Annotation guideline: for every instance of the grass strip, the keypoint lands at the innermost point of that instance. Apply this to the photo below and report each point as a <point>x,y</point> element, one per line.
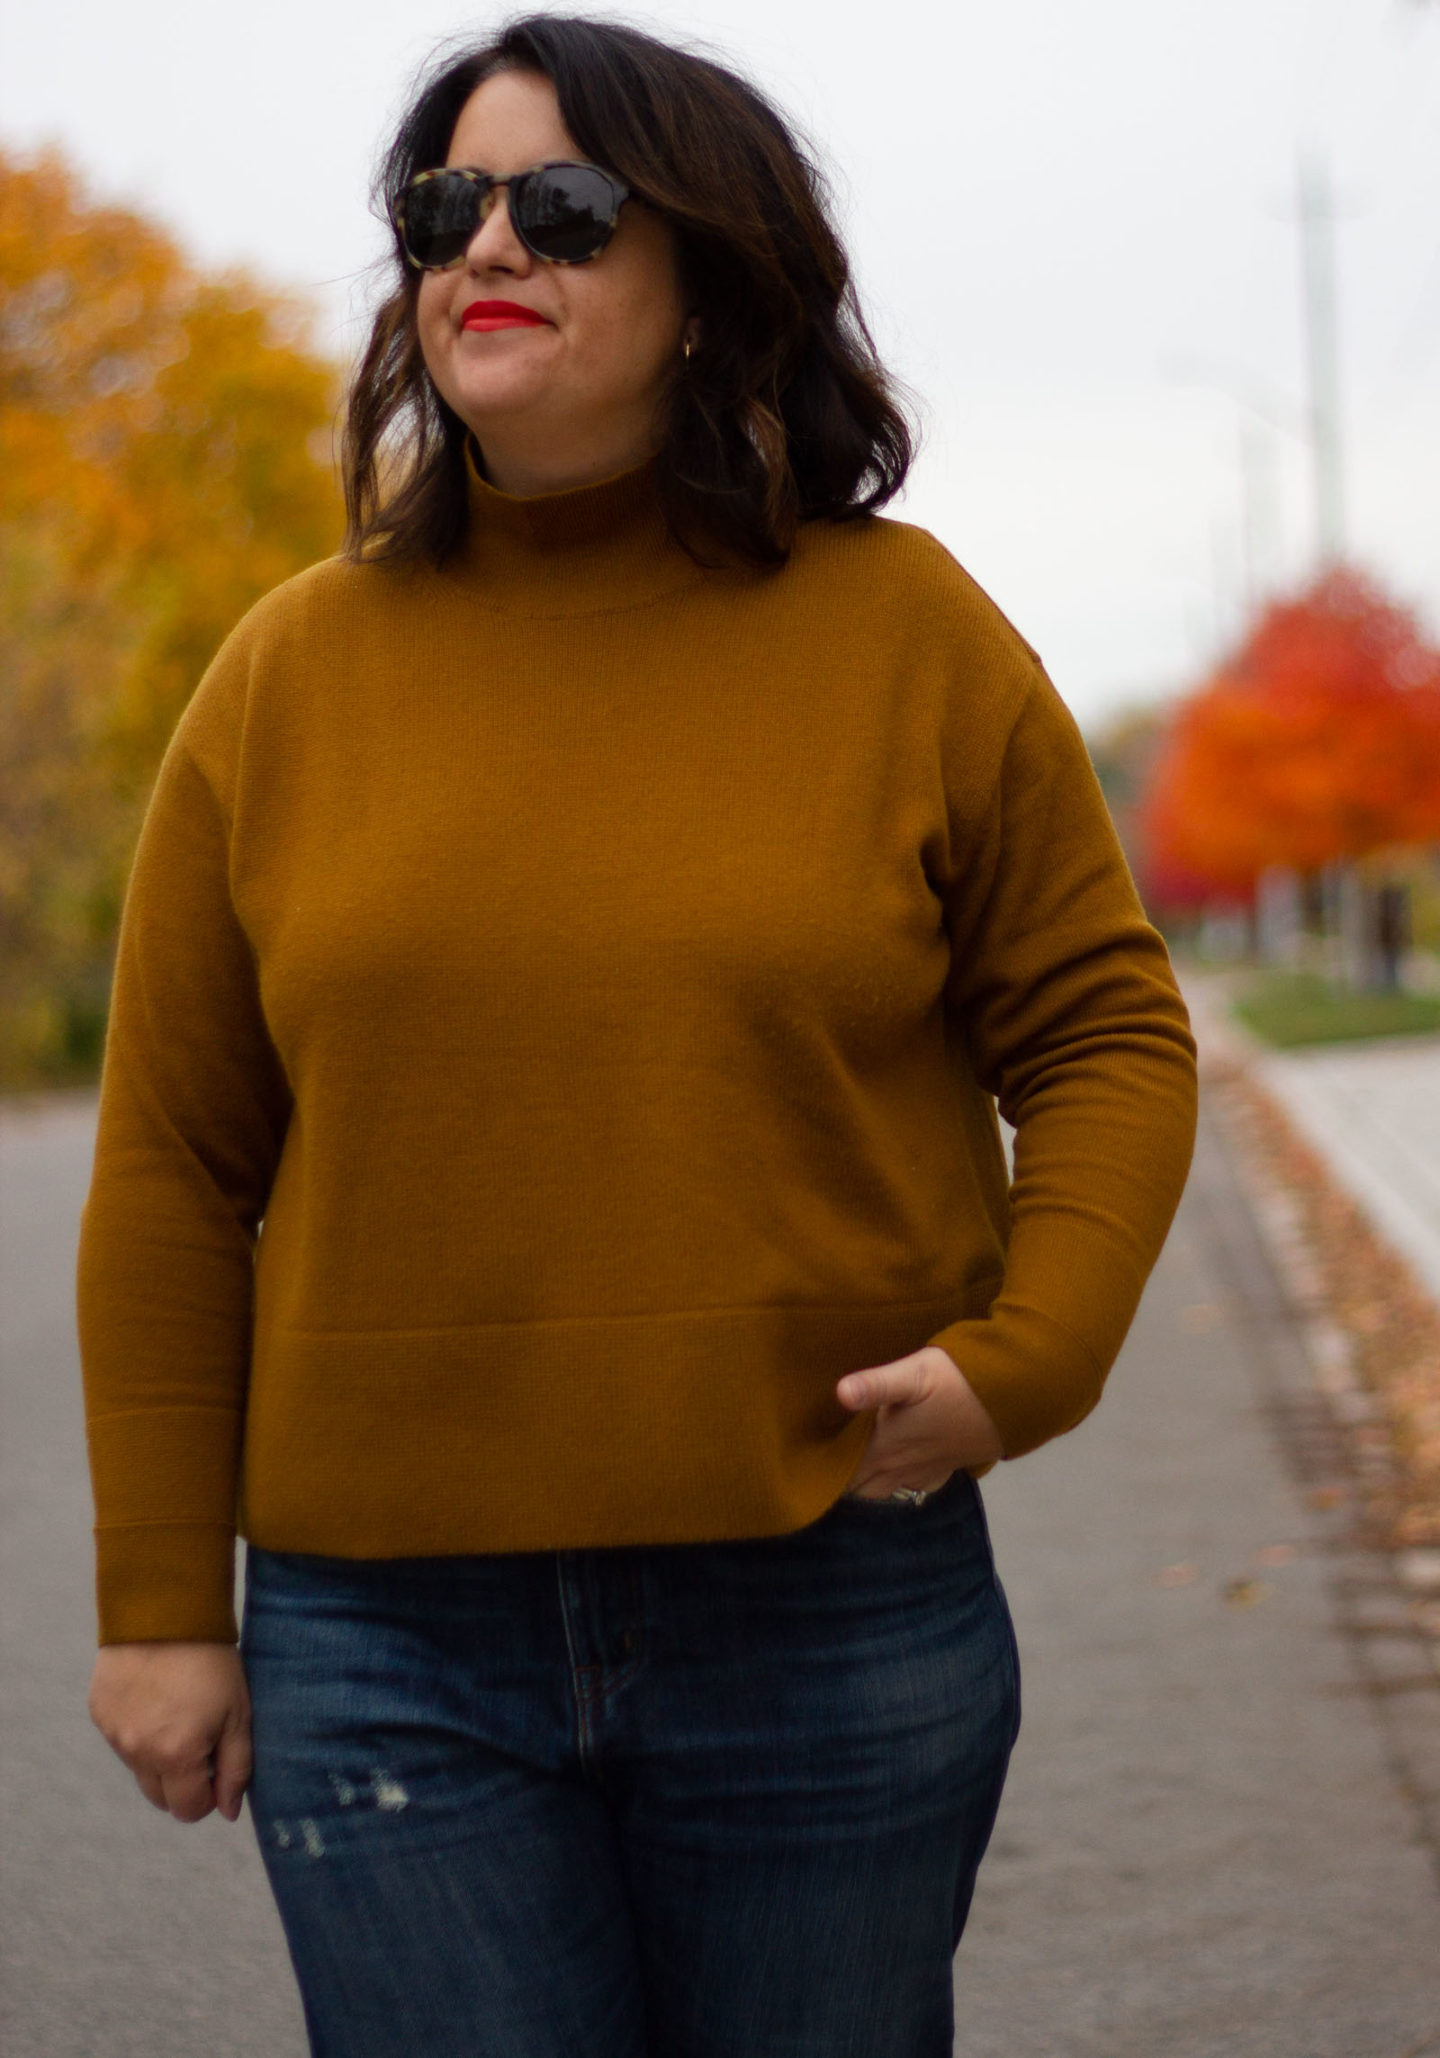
<point>1288,1009</point>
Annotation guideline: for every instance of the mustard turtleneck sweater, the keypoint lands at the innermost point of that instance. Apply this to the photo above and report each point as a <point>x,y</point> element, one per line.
<point>558,1009</point>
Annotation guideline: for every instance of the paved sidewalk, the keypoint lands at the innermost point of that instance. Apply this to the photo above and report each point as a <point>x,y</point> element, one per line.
<point>1372,1110</point>
<point>1206,1850</point>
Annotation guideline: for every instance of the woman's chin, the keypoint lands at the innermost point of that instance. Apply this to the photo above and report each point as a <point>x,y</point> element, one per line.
<point>494,405</point>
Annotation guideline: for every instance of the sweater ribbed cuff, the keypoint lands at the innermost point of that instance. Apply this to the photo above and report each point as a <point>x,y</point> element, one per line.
<point>168,1582</point>
<point>1033,1377</point>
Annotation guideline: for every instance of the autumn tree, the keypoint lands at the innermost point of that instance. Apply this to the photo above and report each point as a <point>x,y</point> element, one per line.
<point>1317,741</point>
<point>164,459</point>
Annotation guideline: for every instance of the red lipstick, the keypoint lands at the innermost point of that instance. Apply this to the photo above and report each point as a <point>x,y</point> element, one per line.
<point>484,315</point>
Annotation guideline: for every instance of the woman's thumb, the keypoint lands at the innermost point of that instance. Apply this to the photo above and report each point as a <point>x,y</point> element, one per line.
<point>880,1386</point>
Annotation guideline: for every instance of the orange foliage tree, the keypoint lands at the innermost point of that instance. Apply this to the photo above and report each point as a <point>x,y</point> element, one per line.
<point>1317,740</point>
<point>165,458</point>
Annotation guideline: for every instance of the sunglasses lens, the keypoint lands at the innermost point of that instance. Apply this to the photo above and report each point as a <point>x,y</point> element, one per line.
<point>564,212</point>
<point>441,216</point>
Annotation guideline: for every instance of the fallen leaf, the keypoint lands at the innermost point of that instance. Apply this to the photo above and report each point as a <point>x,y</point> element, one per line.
<point>1245,1593</point>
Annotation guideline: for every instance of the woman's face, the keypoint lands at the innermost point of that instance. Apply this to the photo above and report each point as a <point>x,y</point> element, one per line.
<point>578,396</point>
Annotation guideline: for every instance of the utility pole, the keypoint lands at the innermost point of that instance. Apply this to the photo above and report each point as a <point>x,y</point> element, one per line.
<point>1317,256</point>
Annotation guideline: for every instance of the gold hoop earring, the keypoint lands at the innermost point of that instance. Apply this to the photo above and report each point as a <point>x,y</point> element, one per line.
<point>687,347</point>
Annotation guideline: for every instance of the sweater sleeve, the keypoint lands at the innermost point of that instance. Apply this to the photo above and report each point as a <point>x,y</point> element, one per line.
<point>193,1110</point>
<point>1064,995</point>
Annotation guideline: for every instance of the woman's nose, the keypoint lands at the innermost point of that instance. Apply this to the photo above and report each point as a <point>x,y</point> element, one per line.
<point>495,245</point>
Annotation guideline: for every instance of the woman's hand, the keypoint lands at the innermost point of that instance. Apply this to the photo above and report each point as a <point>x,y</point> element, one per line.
<point>929,1422</point>
<point>179,1716</point>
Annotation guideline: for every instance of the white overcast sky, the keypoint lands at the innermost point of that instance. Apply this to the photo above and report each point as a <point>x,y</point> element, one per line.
<point>1072,225</point>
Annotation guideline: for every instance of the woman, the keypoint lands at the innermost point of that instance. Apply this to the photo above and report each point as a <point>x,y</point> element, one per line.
<point>592,923</point>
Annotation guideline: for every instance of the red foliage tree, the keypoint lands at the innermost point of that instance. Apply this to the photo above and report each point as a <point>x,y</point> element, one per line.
<point>1318,739</point>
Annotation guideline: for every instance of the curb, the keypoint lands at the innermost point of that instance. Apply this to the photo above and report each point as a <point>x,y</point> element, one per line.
<point>1230,1056</point>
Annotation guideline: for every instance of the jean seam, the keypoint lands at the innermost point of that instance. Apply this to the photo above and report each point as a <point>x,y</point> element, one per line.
<point>1005,1612</point>
<point>579,1674</point>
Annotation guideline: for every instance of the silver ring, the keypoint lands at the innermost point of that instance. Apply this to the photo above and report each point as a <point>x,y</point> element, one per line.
<point>915,1495</point>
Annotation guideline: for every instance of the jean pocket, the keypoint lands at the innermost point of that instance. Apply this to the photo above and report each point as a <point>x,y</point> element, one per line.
<point>901,1503</point>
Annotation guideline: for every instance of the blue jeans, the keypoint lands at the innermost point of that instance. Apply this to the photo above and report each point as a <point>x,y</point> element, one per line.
<point>719,1800</point>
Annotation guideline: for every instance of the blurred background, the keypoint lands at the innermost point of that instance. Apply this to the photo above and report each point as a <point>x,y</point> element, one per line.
<point>1164,279</point>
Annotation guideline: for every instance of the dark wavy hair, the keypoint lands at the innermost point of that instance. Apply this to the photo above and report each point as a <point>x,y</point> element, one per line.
<point>782,413</point>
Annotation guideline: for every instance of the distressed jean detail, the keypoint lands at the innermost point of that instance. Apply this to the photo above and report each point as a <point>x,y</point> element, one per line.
<point>688,1801</point>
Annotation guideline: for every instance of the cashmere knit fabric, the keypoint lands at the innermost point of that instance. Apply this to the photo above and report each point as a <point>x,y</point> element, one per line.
<point>561,1007</point>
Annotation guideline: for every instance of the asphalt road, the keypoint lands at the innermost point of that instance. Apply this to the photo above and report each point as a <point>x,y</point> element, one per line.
<point>1213,1844</point>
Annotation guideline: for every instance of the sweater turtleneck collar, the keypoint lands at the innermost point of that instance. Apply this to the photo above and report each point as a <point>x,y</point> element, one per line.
<point>586,550</point>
